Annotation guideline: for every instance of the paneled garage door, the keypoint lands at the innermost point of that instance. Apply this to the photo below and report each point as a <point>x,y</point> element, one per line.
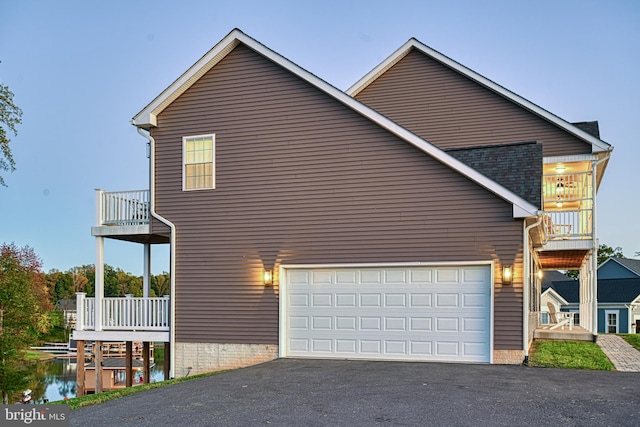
<point>394,313</point>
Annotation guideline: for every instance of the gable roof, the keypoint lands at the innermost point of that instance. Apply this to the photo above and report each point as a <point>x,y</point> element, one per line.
<point>552,292</point>
<point>147,118</point>
<point>597,145</point>
<point>633,265</point>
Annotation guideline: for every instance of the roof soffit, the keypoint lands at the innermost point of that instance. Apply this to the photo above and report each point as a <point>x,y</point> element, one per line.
<point>597,145</point>
<point>146,117</point>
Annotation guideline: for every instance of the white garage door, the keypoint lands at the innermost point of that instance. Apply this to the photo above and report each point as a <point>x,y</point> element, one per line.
<point>395,313</point>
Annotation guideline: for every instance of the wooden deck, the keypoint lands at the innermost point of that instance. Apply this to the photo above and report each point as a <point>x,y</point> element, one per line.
<point>576,334</point>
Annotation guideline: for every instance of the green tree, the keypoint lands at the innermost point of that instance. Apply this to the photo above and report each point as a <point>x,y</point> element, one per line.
<point>10,116</point>
<point>604,253</point>
<point>60,285</point>
<point>160,284</point>
<point>128,284</point>
<point>24,303</point>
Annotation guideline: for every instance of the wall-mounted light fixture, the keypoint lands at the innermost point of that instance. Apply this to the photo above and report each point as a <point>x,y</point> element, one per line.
<point>560,168</point>
<point>267,277</point>
<point>540,274</point>
<point>507,275</point>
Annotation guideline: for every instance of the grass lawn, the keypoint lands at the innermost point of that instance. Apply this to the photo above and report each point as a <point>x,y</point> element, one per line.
<point>33,355</point>
<point>92,399</point>
<point>569,354</point>
<point>633,339</point>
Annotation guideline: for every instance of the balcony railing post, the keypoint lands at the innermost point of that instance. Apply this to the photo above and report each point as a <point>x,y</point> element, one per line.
<point>165,310</point>
<point>80,300</point>
<point>99,206</point>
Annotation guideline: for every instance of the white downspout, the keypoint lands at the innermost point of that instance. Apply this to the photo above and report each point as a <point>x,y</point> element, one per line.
<point>525,287</point>
<point>172,249</point>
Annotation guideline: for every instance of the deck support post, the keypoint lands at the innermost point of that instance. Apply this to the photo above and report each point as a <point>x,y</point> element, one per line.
<point>80,385</point>
<point>97,351</point>
<point>167,360</point>
<point>147,363</point>
<point>129,364</point>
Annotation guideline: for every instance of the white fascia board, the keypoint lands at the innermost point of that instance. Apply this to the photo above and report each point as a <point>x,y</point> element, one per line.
<point>521,208</point>
<point>597,145</point>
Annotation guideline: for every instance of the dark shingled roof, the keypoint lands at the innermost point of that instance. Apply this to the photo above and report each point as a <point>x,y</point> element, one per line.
<point>590,127</point>
<point>517,167</point>
<point>550,276</point>
<point>609,290</point>
<point>630,263</point>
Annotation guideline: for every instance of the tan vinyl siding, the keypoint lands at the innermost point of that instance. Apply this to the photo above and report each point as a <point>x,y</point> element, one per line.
<point>452,111</point>
<point>302,179</point>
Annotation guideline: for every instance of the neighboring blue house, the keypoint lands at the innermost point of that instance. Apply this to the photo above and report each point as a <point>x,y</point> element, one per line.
<point>619,268</point>
<point>618,297</point>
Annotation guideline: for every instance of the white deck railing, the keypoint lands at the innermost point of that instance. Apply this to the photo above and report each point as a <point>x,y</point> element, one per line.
<point>568,201</point>
<point>569,224</point>
<point>123,207</point>
<point>127,314</point>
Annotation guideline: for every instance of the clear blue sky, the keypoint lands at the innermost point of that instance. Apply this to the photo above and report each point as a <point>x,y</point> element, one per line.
<point>81,69</point>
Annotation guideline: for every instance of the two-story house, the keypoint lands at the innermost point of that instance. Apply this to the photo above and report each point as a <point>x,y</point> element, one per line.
<point>404,219</point>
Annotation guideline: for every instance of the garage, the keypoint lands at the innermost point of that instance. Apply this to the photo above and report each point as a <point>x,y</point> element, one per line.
<point>421,313</point>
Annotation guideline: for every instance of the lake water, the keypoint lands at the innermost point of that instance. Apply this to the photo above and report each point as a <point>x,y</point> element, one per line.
<point>55,379</point>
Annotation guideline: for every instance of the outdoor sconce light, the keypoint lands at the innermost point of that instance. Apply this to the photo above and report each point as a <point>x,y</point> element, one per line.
<point>507,275</point>
<point>540,274</point>
<point>267,277</point>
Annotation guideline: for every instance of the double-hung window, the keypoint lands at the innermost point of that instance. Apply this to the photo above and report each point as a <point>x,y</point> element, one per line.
<point>198,162</point>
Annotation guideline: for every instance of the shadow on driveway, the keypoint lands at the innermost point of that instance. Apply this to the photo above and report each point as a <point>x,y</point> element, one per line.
<point>297,392</point>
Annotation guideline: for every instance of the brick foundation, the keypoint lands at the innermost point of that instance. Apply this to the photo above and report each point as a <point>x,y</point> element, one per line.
<point>198,358</point>
<point>508,357</point>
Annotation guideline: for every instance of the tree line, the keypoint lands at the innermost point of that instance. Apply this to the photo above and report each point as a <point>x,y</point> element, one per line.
<point>117,283</point>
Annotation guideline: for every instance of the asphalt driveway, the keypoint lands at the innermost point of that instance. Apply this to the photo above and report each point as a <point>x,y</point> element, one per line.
<point>294,392</point>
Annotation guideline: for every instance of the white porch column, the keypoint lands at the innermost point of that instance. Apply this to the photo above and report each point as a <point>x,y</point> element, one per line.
<point>146,271</point>
<point>99,284</point>
<point>594,288</point>
<point>596,244</point>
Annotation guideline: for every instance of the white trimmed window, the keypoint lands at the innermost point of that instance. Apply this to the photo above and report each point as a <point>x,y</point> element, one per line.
<point>544,318</point>
<point>198,162</point>
<point>611,317</point>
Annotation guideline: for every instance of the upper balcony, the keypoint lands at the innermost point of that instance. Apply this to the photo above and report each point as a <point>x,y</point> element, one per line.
<point>568,205</point>
<point>125,215</point>
<point>567,229</point>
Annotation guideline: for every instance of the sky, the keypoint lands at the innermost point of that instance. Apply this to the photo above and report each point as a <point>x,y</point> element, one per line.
<point>80,70</point>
